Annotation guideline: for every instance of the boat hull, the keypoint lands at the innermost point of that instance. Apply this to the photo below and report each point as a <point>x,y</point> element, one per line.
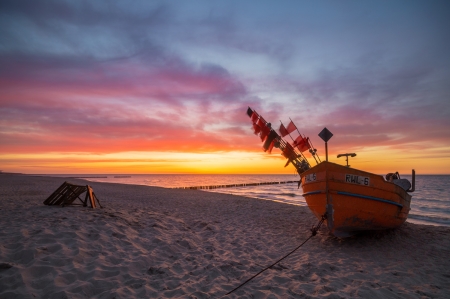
<point>354,200</point>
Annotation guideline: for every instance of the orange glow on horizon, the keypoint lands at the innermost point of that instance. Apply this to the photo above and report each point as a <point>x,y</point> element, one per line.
<point>371,160</point>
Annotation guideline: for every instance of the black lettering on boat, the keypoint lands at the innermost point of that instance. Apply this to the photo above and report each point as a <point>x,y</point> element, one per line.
<point>356,179</point>
<point>310,177</point>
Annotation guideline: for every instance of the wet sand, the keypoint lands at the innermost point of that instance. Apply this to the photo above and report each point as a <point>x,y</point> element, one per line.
<point>150,242</point>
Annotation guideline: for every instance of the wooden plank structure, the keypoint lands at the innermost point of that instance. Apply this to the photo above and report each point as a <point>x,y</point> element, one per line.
<point>67,193</point>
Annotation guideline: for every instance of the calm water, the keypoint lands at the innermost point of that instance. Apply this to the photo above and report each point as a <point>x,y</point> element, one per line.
<point>430,203</point>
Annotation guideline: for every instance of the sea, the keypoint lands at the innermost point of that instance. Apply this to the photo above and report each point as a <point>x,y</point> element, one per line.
<point>430,202</point>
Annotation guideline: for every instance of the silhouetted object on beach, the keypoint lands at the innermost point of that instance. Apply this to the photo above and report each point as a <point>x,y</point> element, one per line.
<point>67,193</point>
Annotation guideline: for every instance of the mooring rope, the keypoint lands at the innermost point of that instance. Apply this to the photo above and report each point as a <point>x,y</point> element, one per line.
<point>314,230</point>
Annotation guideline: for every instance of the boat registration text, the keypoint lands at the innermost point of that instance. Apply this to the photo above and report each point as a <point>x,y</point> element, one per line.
<point>356,179</point>
<point>310,177</point>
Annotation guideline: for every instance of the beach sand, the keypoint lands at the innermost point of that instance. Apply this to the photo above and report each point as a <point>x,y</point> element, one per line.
<point>150,242</point>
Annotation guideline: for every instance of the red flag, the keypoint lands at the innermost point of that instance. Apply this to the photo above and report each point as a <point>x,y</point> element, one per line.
<point>283,131</point>
<point>291,127</point>
<point>305,146</point>
<point>269,140</point>
<point>260,122</point>
<point>297,141</point>
<point>302,143</point>
<point>254,117</point>
<point>271,146</point>
<point>264,132</point>
<point>288,152</point>
<point>256,129</point>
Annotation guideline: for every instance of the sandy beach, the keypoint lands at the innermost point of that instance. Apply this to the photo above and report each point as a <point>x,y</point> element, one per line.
<point>150,242</point>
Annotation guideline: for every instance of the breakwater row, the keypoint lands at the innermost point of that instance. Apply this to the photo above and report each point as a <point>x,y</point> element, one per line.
<point>86,177</point>
<point>235,185</point>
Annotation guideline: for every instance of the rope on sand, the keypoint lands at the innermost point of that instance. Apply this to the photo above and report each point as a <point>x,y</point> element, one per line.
<point>314,230</point>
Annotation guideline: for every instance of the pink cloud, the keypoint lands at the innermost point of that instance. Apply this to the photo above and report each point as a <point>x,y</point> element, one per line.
<point>95,114</point>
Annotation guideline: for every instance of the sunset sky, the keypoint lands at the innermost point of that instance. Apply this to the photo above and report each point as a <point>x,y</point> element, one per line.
<point>163,86</point>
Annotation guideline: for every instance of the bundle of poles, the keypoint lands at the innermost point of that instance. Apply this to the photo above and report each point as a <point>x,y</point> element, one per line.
<point>270,139</point>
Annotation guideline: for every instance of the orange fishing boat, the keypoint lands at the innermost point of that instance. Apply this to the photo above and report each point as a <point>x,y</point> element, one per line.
<point>355,200</point>
<point>350,200</point>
